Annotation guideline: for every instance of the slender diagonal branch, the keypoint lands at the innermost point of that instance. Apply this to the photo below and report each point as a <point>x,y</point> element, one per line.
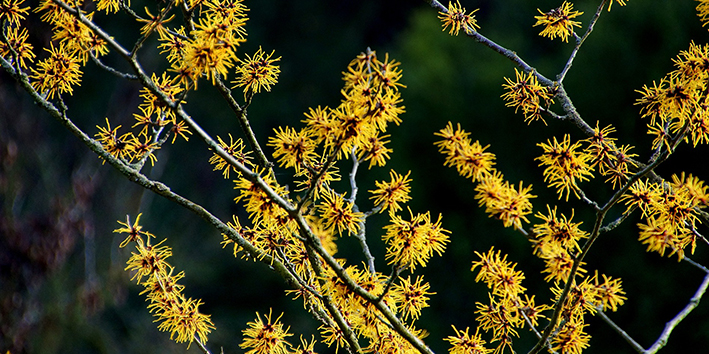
<point>580,41</point>
<point>245,125</point>
<point>638,348</point>
<point>111,70</point>
<point>670,326</point>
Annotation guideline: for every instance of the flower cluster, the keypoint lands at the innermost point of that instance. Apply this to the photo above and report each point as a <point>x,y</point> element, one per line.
<point>405,297</point>
<point>457,18</point>
<point>371,102</point>
<point>17,43</point>
<point>612,161</point>
<point>676,106</point>
<point>527,94</point>
<point>670,212</point>
<point>413,242</point>
<point>58,73</point>
<point>355,130</point>
<point>557,243</point>
<point>266,337</point>
<point>507,310</point>
<point>557,22</point>
<point>176,313</point>
<point>257,73</point>
<point>501,199</point>
<point>388,195</point>
<point>565,164</point>
<point>586,297</point>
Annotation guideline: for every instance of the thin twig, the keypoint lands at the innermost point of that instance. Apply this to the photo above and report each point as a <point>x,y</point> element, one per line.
<point>353,175</point>
<point>395,271</point>
<point>111,70</point>
<point>201,345</point>
<point>638,348</point>
<point>579,192</point>
<point>615,223</point>
<point>670,326</point>
<point>245,125</point>
<point>579,42</point>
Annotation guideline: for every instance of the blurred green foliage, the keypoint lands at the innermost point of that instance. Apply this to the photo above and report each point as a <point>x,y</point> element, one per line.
<point>63,286</point>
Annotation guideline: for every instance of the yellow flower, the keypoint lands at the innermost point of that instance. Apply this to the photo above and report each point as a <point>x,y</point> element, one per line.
<point>257,73</point>
<point>313,180</point>
<point>412,243</point>
<point>235,148</point>
<point>693,63</point>
<point>457,18</point>
<point>503,201</point>
<point>109,6</point>
<point>17,41</point>
<point>703,11</point>
<point>149,261</point>
<point>144,149</point>
<point>204,56</point>
<point>184,321</point>
<point>153,104</point>
<point>388,195</point>
<point>320,124</point>
<point>351,129</point>
<point>58,73</point>
<point>374,150</point>
<point>501,316</point>
<point>178,315</point>
<point>557,261</point>
<point>659,236</point>
<point>338,214</point>
<point>693,186</point>
<point>259,205</point>
<point>155,22</point>
<point>609,293</point>
<point>558,22</point>
<point>411,297</point>
<point>464,343</point>
<point>571,338</point>
<point>173,43</point>
<point>12,11</point>
<point>621,2</point>
<point>498,274</point>
<point>293,148</point>
<point>470,159</point>
<point>266,336</point>
<point>118,146</point>
<point>526,94</point>
<point>581,299</point>
<point>134,231</point>
<point>559,231</point>
<point>565,165</point>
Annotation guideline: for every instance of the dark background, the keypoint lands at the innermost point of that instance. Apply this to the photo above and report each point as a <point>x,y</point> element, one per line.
<point>62,285</point>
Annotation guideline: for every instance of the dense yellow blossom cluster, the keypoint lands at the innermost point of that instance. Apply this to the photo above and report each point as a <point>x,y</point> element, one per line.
<point>177,314</point>
<point>670,209</point>
<point>295,231</point>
